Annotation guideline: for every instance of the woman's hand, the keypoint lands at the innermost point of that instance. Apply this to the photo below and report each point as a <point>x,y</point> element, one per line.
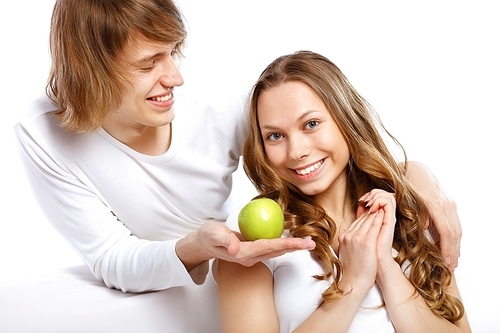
<point>442,209</point>
<point>358,250</point>
<point>380,200</point>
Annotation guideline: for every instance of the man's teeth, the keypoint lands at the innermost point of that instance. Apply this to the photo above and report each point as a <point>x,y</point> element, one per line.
<point>162,98</point>
<point>309,169</point>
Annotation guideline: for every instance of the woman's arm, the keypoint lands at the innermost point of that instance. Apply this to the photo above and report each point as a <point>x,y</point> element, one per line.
<point>408,310</point>
<point>338,313</point>
<point>443,211</point>
<point>246,298</point>
<point>246,302</point>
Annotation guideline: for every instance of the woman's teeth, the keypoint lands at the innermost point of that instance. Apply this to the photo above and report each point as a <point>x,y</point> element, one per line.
<point>309,169</point>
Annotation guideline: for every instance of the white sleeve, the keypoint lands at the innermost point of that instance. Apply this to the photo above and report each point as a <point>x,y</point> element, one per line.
<point>82,217</point>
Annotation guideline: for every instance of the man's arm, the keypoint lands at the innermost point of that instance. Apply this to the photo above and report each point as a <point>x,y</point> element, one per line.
<point>442,209</point>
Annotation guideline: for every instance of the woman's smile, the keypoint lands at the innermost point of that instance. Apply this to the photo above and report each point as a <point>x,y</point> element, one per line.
<point>308,173</point>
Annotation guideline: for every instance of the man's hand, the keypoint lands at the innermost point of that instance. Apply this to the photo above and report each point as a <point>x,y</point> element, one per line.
<point>216,240</point>
<point>442,209</point>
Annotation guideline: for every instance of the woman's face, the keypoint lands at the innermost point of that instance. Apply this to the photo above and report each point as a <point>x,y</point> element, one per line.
<point>301,139</point>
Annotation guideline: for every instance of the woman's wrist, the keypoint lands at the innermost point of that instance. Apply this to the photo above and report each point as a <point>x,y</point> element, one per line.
<point>387,270</point>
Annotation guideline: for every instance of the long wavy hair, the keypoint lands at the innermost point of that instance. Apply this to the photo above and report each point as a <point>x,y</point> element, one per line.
<point>371,166</point>
<point>86,39</point>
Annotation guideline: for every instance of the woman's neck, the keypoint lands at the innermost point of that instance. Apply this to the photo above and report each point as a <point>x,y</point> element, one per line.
<point>337,204</point>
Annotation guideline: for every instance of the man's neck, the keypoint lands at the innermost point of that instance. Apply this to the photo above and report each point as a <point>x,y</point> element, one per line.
<point>146,140</point>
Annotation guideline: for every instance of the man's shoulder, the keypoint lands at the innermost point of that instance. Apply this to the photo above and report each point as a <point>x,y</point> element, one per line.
<point>39,113</point>
<point>37,107</point>
<point>38,125</point>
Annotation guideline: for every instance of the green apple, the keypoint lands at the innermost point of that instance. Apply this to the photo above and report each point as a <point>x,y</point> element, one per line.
<point>261,218</point>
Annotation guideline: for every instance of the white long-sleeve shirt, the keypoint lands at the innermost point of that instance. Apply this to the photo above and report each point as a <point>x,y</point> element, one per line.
<point>123,211</point>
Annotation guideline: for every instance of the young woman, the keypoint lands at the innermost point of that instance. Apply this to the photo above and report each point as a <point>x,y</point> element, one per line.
<point>314,147</point>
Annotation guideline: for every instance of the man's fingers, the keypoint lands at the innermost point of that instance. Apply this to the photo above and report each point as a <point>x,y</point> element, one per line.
<point>252,252</point>
<point>445,221</point>
<point>234,245</point>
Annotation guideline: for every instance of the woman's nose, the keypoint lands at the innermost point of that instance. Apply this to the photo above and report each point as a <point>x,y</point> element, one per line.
<point>299,148</point>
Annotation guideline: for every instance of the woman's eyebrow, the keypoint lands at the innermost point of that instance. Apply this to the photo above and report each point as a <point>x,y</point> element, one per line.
<point>272,127</point>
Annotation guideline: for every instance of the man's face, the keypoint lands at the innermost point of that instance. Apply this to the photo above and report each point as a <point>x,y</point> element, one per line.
<point>152,72</point>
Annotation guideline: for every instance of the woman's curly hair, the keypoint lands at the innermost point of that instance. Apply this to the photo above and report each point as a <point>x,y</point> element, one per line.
<point>371,166</point>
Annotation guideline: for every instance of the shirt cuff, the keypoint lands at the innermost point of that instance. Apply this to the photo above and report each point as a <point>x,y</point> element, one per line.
<point>181,276</point>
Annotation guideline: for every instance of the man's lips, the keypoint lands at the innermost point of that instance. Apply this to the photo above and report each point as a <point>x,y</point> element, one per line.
<point>162,98</point>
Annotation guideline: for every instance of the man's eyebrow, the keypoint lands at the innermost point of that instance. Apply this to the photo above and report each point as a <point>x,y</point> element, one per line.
<point>147,59</point>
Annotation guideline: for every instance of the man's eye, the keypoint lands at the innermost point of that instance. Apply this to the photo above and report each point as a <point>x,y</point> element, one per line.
<point>149,66</point>
<point>147,69</point>
<point>175,53</point>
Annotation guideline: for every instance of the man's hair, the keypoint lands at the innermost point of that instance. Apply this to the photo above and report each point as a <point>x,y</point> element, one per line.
<point>86,40</point>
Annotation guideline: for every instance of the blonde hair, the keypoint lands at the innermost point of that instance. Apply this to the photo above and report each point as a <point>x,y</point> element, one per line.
<point>86,40</point>
<point>371,166</point>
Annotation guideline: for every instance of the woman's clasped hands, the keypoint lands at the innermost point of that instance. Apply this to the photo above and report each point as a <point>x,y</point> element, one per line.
<point>368,241</point>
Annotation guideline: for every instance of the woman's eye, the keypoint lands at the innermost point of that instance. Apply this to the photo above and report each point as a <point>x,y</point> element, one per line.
<point>311,124</point>
<point>274,136</point>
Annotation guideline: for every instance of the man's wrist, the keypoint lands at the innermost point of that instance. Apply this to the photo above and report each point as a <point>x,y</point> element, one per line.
<point>189,251</point>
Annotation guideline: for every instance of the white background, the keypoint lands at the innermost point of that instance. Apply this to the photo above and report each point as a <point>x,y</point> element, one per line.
<point>430,68</point>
